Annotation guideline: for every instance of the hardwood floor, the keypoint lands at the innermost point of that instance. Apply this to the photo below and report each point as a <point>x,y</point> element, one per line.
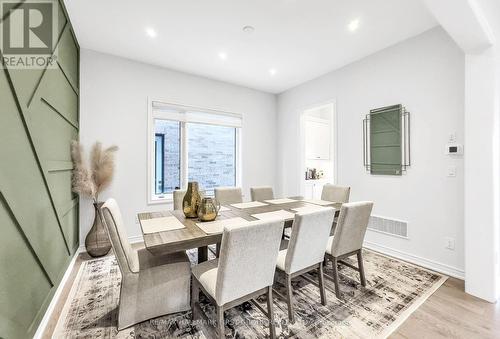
<point>448,313</point>
<point>451,313</point>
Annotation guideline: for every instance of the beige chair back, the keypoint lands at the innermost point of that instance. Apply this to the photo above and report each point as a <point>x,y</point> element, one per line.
<point>351,227</point>
<point>335,193</point>
<point>127,257</point>
<point>178,197</point>
<point>247,260</point>
<point>261,193</point>
<point>228,195</point>
<point>310,233</point>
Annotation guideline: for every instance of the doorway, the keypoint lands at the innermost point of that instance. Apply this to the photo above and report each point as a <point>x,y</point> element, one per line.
<point>318,151</point>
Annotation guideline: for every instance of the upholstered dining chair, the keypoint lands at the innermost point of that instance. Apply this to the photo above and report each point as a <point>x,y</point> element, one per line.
<point>244,270</point>
<point>306,251</point>
<point>228,195</point>
<point>348,239</point>
<point>261,193</point>
<point>151,286</point>
<point>335,193</point>
<point>178,197</point>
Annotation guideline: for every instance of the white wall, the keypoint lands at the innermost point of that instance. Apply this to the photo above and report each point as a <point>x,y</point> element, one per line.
<point>475,26</point>
<point>425,74</point>
<point>114,95</point>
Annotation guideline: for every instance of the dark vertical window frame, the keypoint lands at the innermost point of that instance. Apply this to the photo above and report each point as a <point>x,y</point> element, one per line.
<point>160,148</point>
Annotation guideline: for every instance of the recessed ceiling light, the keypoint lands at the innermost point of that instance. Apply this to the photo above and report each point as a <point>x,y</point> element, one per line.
<point>272,71</point>
<point>151,32</point>
<point>222,56</point>
<point>353,25</point>
<point>248,29</point>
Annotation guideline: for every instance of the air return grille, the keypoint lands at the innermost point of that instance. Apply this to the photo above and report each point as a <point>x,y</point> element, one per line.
<point>393,227</point>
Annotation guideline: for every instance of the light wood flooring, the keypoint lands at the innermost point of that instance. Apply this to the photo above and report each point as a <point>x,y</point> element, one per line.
<point>448,313</point>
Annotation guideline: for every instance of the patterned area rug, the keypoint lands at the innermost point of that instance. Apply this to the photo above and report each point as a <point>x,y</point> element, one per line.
<point>394,290</point>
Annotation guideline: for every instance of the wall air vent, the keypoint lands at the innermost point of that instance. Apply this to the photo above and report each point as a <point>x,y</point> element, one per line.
<point>388,226</point>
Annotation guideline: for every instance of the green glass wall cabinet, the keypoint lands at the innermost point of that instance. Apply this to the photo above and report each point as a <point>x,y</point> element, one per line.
<point>386,133</point>
<point>38,212</point>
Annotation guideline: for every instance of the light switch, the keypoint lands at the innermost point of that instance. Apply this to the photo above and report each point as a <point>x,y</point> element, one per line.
<point>449,243</point>
<point>452,171</point>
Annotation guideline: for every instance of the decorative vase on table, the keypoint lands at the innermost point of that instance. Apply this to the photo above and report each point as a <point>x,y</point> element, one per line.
<point>191,200</point>
<point>97,241</point>
<point>208,209</point>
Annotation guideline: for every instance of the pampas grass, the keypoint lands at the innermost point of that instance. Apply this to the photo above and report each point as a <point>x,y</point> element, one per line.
<point>90,182</point>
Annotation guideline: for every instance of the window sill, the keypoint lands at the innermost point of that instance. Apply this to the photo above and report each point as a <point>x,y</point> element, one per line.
<point>160,201</point>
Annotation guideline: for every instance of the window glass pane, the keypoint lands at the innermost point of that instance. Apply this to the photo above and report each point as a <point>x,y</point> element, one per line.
<point>211,156</point>
<point>167,156</point>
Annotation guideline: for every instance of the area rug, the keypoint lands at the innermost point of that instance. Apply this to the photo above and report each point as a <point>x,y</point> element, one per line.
<point>394,290</point>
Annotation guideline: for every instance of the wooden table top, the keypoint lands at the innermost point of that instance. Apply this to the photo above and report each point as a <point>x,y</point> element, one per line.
<point>192,236</point>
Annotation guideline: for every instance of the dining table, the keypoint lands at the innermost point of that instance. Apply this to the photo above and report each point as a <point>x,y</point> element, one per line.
<point>192,236</point>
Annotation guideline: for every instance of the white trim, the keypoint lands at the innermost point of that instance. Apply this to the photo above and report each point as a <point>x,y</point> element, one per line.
<point>417,260</point>
<point>55,298</point>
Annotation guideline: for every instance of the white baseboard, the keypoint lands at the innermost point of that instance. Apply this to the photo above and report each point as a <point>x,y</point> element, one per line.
<point>48,313</point>
<point>414,259</point>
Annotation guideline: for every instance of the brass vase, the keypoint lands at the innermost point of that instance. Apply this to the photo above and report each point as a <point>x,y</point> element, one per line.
<point>191,200</point>
<point>97,241</point>
<point>208,209</point>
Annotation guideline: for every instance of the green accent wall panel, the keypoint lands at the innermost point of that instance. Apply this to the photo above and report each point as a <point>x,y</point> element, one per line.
<point>56,91</point>
<point>38,212</point>
<point>68,57</point>
<point>20,270</point>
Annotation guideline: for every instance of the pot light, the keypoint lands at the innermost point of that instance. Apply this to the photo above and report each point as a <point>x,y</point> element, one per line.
<point>151,32</point>
<point>353,25</point>
<point>272,71</point>
<point>222,56</point>
<point>248,29</point>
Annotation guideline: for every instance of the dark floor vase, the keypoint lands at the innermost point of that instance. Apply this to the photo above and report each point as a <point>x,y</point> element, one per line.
<point>97,241</point>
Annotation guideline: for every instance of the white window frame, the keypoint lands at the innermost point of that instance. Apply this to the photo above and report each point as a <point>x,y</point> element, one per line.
<point>152,198</point>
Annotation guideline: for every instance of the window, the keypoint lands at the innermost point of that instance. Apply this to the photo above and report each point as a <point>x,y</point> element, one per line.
<point>167,156</point>
<point>189,144</point>
<point>211,155</point>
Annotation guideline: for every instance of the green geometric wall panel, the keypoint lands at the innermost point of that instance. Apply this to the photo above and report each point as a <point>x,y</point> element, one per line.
<point>38,212</point>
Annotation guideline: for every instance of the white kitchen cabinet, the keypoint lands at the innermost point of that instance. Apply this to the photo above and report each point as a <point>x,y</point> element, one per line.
<point>317,132</point>
<point>313,188</point>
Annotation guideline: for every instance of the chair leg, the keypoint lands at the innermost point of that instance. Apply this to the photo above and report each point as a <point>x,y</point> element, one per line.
<point>361,269</point>
<point>336,277</point>
<point>270,312</point>
<point>220,322</point>
<point>195,295</point>
<point>322,284</point>
<point>289,294</point>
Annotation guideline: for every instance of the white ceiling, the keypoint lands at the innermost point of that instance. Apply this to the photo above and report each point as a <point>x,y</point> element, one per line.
<point>300,39</point>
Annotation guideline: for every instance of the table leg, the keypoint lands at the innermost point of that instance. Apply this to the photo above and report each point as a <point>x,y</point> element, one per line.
<point>202,254</point>
<point>217,249</point>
